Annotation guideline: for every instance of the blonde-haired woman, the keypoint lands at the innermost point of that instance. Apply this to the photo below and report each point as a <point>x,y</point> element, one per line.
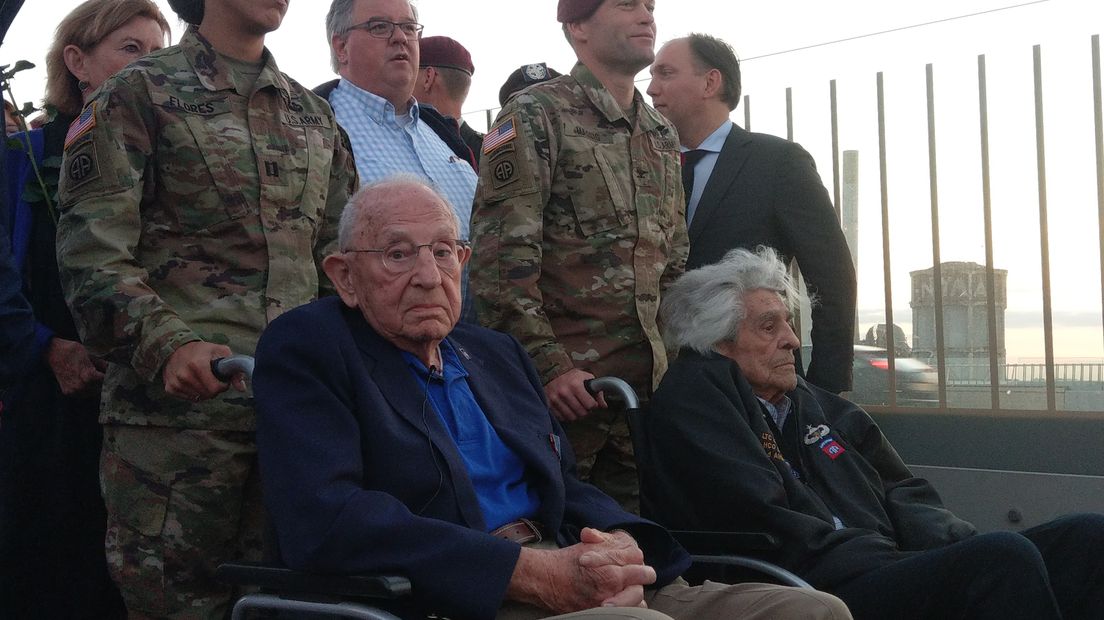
<point>52,518</point>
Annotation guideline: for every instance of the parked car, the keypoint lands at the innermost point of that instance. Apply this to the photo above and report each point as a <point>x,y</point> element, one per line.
<point>917,382</point>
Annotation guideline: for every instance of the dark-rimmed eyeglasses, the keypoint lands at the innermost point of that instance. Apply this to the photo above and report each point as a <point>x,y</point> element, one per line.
<point>383,28</point>
<point>401,257</point>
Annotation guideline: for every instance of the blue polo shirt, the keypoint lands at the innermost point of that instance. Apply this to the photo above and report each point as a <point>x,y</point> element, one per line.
<point>496,472</point>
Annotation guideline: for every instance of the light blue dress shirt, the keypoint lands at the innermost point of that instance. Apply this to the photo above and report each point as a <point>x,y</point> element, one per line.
<point>704,169</point>
<point>385,144</point>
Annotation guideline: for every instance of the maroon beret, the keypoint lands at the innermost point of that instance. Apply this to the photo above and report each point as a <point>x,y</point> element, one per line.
<point>576,10</point>
<point>445,52</point>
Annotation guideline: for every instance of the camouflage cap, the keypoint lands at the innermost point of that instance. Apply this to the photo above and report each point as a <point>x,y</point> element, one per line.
<point>190,11</point>
<point>570,11</point>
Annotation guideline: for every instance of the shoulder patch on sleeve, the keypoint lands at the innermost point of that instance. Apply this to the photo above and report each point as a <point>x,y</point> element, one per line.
<point>504,167</point>
<point>81,125</point>
<point>502,133</point>
<point>80,165</point>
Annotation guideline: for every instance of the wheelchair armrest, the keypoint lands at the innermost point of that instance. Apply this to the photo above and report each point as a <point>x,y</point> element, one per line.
<point>287,580</point>
<point>725,549</point>
<point>776,573</point>
<point>711,543</point>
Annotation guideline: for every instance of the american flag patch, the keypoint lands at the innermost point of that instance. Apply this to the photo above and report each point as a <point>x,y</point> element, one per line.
<point>499,136</point>
<point>84,123</point>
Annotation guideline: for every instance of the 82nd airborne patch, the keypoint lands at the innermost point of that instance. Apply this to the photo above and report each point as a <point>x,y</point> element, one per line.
<point>81,165</point>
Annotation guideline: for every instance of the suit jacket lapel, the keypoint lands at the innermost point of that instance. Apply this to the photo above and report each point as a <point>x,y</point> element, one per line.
<point>407,397</point>
<point>729,162</point>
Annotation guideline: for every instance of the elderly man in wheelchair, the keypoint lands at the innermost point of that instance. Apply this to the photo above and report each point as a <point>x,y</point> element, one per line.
<point>739,442</point>
<point>394,439</point>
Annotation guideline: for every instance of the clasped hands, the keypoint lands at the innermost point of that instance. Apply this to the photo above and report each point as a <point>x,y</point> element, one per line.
<point>603,569</point>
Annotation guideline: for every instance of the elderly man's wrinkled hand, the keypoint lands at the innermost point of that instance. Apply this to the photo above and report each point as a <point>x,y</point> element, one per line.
<point>602,570</point>
<point>613,548</point>
<point>76,371</point>
<point>616,555</point>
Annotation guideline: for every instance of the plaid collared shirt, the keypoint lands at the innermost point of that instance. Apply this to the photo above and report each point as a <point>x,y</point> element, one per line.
<point>386,144</point>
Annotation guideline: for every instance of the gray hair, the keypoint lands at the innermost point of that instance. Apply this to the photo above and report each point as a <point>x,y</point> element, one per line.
<point>339,20</point>
<point>706,306</point>
<point>362,203</point>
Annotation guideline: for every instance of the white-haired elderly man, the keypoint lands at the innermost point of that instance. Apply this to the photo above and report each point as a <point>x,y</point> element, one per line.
<point>740,443</point>
<point>393,439</point>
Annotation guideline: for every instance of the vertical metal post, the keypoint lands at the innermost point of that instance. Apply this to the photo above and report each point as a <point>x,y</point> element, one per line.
<point>1044,233</point>
<point>835,150</point>
<point>490,119</point>
<point>937,269</point>
<point>747,113</point>
<point>795,270</point>
<point>987,214</point>
<point>1097,106</point>
<point>789,113</point>
<point>850,213</point>
<point>888,280</point>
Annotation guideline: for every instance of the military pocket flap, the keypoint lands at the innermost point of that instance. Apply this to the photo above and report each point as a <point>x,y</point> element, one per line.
<point>226,147</point>
<point>601,201</point>
<point>619,183</point>
<point>139,498</point>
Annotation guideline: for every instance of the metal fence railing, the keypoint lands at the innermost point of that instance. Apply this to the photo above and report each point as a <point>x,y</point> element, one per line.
<point>946,360</point>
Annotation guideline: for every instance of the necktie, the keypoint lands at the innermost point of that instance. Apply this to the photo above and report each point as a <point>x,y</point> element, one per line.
<point>689,160</point>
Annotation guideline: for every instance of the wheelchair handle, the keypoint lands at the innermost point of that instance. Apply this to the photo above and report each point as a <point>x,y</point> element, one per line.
<point>224,368</point>
<point>615,385</point>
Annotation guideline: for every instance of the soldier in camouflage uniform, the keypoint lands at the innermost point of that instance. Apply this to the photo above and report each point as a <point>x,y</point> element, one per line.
<point>578,226</point>
<point>195,189</point>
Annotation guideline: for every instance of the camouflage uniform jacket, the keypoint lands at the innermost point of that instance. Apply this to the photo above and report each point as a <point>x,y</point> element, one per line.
<point>192,200</point>
<point>579,224</point>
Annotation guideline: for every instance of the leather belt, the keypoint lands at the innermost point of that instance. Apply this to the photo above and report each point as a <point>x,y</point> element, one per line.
<point>521,531</point>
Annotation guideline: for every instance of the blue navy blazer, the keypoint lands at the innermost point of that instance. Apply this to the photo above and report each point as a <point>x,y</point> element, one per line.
<point>360,474</point>
<point>17,325</point>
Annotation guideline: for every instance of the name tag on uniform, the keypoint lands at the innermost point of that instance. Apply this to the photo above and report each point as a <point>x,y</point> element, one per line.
<point>663,142</point>
<point>305,120</point>
<point>603,137</point>
<point>201,108</point>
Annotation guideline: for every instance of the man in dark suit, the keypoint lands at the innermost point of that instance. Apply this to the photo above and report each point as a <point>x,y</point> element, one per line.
<point>392,438</point>
<point>747,189</point>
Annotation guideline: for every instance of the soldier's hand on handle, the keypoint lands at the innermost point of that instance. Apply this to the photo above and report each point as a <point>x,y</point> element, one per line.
<point>568,397</point>
<point>188,374</point>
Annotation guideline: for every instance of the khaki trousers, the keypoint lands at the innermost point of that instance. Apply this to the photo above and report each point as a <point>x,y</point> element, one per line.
<point>709,601</point>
